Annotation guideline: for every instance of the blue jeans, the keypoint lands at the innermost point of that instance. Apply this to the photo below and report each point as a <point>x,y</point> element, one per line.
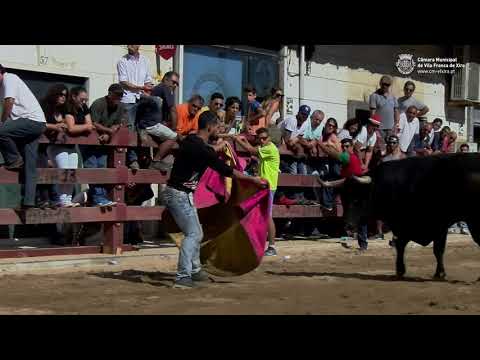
<point>20,138</point>
<point>132,113</point>
<point>95,157</point>
<point>181,207</point>
<point>297,168</point>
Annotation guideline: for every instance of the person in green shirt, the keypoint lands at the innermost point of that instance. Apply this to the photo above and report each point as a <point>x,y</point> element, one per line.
<point>269,168</point>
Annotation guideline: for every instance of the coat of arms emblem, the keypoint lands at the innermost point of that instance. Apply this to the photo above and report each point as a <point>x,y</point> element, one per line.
<point>405,64</point>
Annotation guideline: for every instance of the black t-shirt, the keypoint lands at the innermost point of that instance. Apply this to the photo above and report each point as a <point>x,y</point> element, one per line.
<point>148,112</point>
<point>168,100</point>
<point>80,115</point>
<point>191,161</point>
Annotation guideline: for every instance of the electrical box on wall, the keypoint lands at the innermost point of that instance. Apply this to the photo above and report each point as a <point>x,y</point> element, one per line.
<point>289,106</point>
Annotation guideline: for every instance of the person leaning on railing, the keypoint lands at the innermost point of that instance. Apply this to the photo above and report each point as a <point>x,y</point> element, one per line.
<point>22,122</point>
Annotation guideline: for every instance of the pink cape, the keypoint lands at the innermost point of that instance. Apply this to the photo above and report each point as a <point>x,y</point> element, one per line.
<point>234,218</point>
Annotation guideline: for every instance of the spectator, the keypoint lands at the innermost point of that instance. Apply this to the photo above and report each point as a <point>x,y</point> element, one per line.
<point>193,158</point>
<point>188,114</point>
<point>435,141</point>
<point>232,108</point>
<point>408,100</point>
<point>351,129</point>
<point>422,142</point>
<point>54,108</point>
<point>269,169</point>
<point>393,153</point>
<point>384,104</point>
<point>79,122</point>
<point>448,142</point>
<point>166,92</point>
<point>107,114</point>
<point>408,127</point>
<point>272,106</point>
<point>134,75</point>
<point>366,140</point>
<point>313,132</point>
<point>292,127</point>
<point>150,120</point>
<point>464,148</point>
<point>216,104</point>
<point>330,170</point>
<point>255,115</point>
<point>351,166</point>
<point>23,122</point>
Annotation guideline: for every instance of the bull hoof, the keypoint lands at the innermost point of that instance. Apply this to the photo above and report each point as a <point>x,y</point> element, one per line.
<point>440,276</point>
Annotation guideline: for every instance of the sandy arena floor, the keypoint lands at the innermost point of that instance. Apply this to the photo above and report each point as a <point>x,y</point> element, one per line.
<point>307,277</point>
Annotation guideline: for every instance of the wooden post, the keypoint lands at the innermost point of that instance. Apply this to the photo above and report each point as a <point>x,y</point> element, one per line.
<point>113,231</point>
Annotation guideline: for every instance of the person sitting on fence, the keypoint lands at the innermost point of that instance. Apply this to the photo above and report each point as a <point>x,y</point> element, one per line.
<point>54,107</point>
<point>232,108</point>
<point>107,114</point>
<point>351,129</point>
<point>216,104</point>
<point>312,133</point>
<point>22,123</point>
<point>272,106</point>
<point>269,157</point>
<point>193,158</point>
<point>422,145</point>
<point>165,91</point>
<point>255,118</point>
<point>367,139</point>
<point>188,114</point>
<point>448,141</point>
<point>149,118</point>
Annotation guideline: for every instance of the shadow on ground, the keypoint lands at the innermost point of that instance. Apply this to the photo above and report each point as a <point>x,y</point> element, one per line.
<point>156,278</point>
<point>379,277</point>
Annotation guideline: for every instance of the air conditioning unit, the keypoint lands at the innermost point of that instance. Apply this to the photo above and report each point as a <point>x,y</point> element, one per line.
<point>466,83</point>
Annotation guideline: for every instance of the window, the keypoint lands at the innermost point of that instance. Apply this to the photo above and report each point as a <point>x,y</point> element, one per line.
<point>209,69</point>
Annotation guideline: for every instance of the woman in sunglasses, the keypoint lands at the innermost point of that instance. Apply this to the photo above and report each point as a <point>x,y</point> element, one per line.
<point>272,106</point>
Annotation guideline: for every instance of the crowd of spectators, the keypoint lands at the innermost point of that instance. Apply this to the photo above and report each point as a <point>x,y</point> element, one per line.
<point>312,142</point>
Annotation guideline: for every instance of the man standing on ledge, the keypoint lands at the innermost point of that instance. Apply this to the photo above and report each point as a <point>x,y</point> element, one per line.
<point>22,122</point>
<point>193,157</point>
<point>134,75</point>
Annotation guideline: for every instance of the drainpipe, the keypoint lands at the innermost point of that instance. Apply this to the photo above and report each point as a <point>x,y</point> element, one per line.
<point>178,67</point>
<point>301,70</point>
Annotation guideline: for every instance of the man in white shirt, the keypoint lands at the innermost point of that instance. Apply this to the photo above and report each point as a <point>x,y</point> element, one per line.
<point>22,123</point>
<point>366,140</point>
<point>408,127</point>
<point>134,75</point>
<point>292,127</point>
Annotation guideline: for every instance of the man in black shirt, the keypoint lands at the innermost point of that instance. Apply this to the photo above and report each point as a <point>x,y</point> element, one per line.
<point>193,158</point>
<point>166,92</point>
<point>156,113</point>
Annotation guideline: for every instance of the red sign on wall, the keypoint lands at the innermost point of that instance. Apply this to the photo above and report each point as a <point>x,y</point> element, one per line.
<point>165,51</point>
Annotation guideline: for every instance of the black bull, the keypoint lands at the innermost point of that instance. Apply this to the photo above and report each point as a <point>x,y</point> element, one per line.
<point>419,199</point>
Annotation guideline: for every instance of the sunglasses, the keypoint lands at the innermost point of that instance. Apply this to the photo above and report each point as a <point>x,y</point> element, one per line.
<point>346,146</point>
<point>385,84</point>
<point>409,89</point>
<point>331,125</point>
<point>279,95</point>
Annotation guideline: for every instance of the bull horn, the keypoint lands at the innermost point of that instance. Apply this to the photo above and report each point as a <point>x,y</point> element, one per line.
<point>363,179</point>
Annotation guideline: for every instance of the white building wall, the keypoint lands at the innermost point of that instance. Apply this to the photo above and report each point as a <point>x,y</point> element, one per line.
<point>97,63</point>
<point>339,73</point>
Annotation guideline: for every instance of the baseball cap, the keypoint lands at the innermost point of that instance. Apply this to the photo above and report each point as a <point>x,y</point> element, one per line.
<point>305,110</point>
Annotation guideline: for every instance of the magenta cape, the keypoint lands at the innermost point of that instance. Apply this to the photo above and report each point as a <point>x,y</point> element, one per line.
<point>234,218</point>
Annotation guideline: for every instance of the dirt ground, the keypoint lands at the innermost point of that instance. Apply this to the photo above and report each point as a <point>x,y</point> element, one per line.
<point>307,277</point>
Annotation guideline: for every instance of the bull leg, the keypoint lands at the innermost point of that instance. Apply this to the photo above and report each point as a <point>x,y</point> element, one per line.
<point>400,245</point>
<point>438,250</point>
